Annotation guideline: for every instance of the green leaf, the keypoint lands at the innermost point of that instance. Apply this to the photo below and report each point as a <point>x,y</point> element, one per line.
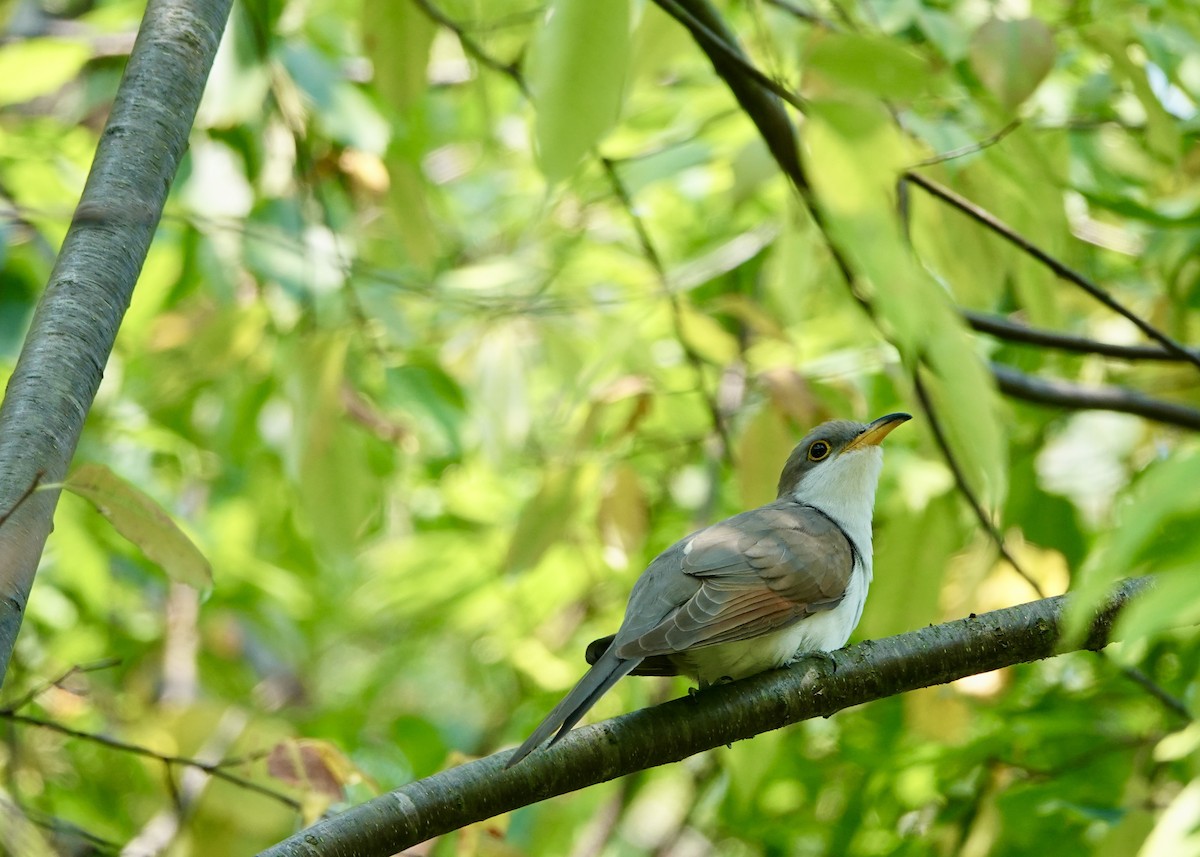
<point>872,64</point>
<point>335,487</point>
<point>343,111</point>
<point>1012,58</point>
<point>1156,527</point>
<point>854,154</point>
<point>426,394</point>
<point>1173,602</point>
<point>137,517</point>
<point>577,67</point>
<point>398,38</point>
<point>545,519</point>
<point>761,451</point>
<point>1162,131</point>
<point>37,67</point>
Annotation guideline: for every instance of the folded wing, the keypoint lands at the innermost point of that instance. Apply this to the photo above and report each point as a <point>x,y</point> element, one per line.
<point>754,573</point>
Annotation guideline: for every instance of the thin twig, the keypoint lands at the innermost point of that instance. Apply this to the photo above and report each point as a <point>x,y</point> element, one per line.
<point>703,34</point>
<point>1012,331</point>
<point>970,148</point>
<point>470,46</point>
<point>1046,391</point>
<point>1059,268</point>
<point>655,260</point>
<point>1171,702</point>
<point>78,669</point>
<point>964,487</point>
<point>804,14</point>
<point>216,769</point>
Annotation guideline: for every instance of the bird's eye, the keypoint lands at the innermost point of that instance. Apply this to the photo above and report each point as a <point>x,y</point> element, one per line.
<point>818,451</point>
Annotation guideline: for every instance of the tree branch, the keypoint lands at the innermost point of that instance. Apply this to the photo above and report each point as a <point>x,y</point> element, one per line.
<point>721,47</point>
<point>76,321</point>
<point>215,769</point>
<point>1047,391</point>
<point>1060,269</point>
<point>1011,331</point>
<point>684,727</point>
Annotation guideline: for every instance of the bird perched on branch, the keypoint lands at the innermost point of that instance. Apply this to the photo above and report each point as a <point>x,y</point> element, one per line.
<point>755,591</point>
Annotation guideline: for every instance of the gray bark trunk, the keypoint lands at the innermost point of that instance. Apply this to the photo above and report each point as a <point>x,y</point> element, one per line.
<point>76,321</point>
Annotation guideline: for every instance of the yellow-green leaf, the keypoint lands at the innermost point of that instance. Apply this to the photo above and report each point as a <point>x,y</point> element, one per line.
<point>577,67</point>
<point>141,520</point>
<point>38,67</point>
<point>873,64</point>
<point>854,155</point>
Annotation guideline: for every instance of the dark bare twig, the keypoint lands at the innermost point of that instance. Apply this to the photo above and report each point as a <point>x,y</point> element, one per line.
<point>1060,269</point>
<point>964,487</point>
<point>714,43</point>
<point>1012,331</point>
<point>1046,391</point>
<point>216,769</point>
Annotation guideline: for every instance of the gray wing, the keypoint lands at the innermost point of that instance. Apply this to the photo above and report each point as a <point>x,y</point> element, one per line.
<point>753,573</point>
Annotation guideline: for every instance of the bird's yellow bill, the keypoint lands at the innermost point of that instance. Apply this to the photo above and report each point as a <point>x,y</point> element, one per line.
<point>878,430</point>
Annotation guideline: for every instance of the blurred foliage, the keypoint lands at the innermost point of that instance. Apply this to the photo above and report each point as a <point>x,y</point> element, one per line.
<point>428,412</point>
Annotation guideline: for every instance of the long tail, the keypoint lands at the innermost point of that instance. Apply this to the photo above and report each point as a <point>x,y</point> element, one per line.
<point>606,672</point>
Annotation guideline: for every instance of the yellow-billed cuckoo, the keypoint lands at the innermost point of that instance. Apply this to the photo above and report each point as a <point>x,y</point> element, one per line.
<point>754,591</point>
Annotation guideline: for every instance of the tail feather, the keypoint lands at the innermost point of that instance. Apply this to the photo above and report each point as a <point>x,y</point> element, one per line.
<point>606,672</point>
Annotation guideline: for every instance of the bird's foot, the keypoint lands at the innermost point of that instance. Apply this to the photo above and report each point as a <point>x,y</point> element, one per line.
<point>705,685</point>
<point>826,657</point>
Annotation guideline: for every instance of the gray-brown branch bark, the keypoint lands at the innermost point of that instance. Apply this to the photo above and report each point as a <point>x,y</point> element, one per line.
<point>1056,392</point>
<point>673,731</point>
<point>76,321</point>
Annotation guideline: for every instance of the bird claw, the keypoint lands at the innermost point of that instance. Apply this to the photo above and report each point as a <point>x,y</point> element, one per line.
<point>826,657</point>
<point>705,685</point>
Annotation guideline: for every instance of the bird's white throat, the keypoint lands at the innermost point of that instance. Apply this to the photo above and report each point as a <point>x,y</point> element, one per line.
<point>845,490</point>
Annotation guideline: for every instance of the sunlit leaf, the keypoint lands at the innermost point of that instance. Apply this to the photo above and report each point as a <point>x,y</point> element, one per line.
<point>854,156</point>
<point>33,67</point>
<point>871,64</point>
<point>545,519</point>
<point>141,520</point>
<point>1156,532</point>
<point>577,67</point>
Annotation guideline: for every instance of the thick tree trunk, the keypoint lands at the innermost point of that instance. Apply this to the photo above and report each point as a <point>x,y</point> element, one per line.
<point>684,727</point>
<point>76,322</point>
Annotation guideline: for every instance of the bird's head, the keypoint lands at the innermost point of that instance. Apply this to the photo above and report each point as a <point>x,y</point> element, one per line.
<point>838,463</point>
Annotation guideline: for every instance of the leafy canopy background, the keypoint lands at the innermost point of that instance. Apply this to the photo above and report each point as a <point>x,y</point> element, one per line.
<point>444,335</point>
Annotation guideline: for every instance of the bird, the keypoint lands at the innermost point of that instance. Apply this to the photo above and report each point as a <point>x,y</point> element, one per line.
<point>755,591</point>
